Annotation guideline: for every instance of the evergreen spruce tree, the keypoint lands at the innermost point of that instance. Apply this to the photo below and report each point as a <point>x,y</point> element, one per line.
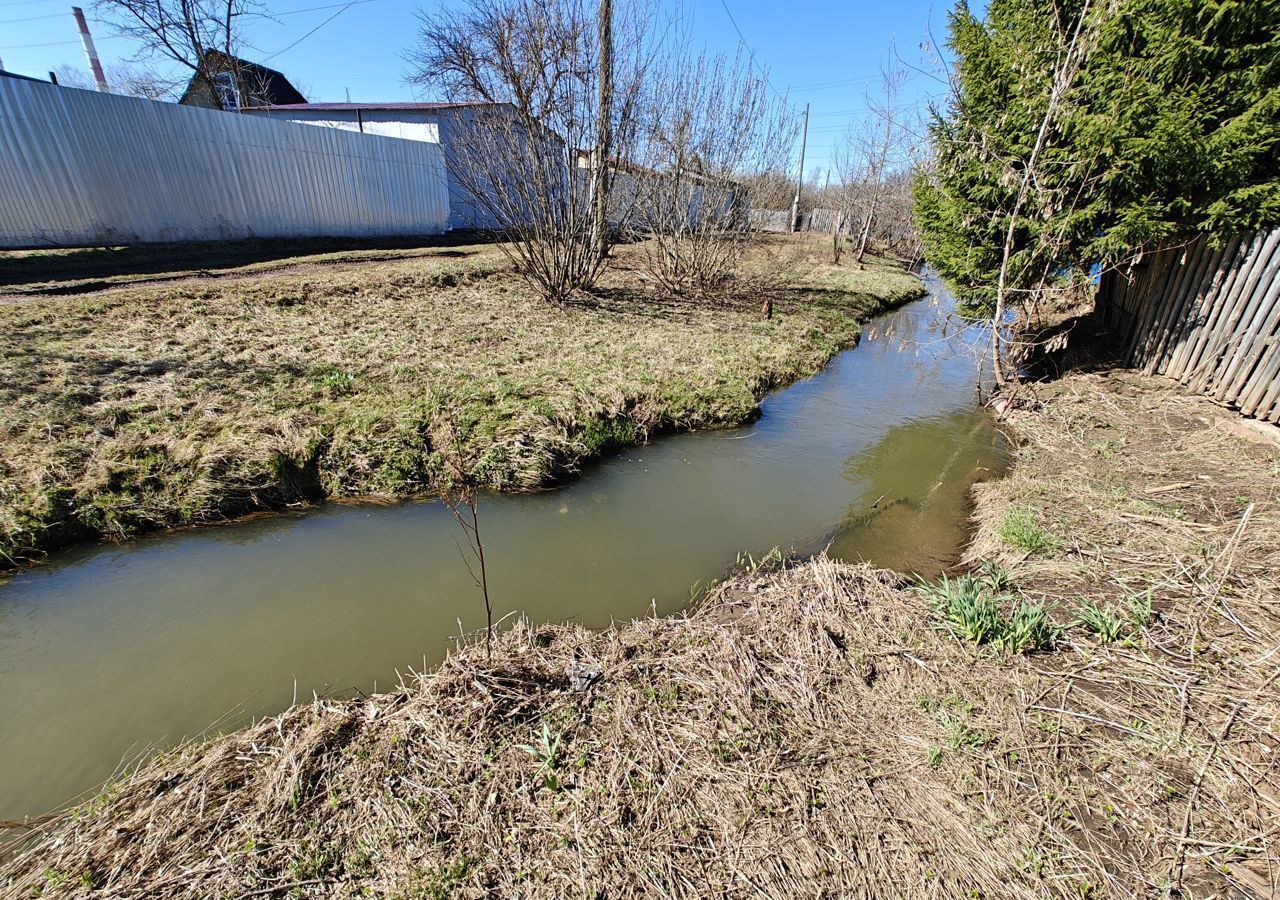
<point>1169,128</point>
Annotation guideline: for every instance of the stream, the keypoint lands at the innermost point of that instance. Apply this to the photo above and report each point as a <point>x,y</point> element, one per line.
<point>113,649</point>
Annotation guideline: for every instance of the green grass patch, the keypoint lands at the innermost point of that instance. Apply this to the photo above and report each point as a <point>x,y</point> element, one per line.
<point>969,608</point>
<point>1020,529</point>
<point>150,395</point>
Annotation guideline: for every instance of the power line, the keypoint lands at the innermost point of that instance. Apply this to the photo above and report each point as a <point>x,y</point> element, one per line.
<point>317,28</point>
<point>56,15</point>
<point>34,46</point>
<point>294,12</point>
<point>823,85</point>
<point>837,55</point>
<point>751,53</point>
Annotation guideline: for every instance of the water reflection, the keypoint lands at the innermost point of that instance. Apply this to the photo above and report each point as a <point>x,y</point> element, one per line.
<point>915,481</point>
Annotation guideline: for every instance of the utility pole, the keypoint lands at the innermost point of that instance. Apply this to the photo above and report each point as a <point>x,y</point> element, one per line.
<point>604,131</point>
<point>1,65</point>
<point>89,51</point>
<point>795,204</point>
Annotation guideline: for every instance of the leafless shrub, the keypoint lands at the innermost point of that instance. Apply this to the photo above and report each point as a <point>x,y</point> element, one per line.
<point>711,123</point>
<point>126,79</point>
<point>873,197</point>
<point>458,490</point>
<point>535,69</point>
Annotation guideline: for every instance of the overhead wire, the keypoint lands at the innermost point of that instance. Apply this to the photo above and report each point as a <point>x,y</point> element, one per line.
<point>317,28</point>
<point>751,53</point>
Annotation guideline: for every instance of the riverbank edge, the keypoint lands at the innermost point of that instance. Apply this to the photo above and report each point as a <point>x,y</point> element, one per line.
<point>740,748</point>
<point>297,486</point>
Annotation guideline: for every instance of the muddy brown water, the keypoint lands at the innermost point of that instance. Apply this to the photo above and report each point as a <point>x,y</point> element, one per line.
<point>110,650</point>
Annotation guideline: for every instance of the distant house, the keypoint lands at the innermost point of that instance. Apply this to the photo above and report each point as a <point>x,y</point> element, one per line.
<point>445,124</point>
<point>236,85</point>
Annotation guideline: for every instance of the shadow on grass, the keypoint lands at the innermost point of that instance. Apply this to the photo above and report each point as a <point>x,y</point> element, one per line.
<point>83,270</point>
<point>1078,344</point>
<point>657,304</point>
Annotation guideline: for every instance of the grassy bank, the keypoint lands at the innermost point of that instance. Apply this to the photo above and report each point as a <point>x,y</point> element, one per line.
<point>810,730</point>
<point>141,392</point>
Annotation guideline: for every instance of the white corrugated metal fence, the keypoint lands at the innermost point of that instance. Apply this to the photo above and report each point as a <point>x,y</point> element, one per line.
<point>80,167</point>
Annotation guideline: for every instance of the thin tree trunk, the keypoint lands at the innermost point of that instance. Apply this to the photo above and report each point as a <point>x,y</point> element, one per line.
<point>1061,82</point>
<point>604,130</point>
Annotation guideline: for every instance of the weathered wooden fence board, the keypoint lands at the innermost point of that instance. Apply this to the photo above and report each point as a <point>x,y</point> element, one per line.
<point>1207,316</point>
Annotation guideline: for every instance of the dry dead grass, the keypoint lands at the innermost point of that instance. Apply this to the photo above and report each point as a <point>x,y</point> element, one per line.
<point>1165,758</point>
<point>805,731</point>
<point>139,396</point>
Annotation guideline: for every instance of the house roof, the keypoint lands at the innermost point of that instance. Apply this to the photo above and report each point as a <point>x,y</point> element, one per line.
<point>352,107</point>
<point>268,84</point>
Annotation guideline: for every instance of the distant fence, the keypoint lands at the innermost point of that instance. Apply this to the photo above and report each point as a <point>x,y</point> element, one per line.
<point>1207,317</point>
<point>81,168</point>
<point>770,219</point>
<point>780,220</point>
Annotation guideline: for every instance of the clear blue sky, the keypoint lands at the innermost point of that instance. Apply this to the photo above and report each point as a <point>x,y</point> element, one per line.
<point>825,52</point>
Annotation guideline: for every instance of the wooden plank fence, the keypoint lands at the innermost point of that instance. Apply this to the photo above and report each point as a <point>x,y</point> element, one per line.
<point>1207,316</point>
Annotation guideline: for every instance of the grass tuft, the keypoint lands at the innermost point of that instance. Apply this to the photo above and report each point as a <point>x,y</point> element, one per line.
<point>1100,619</point>
<point>1020,529</point>
<point>1030,628</point>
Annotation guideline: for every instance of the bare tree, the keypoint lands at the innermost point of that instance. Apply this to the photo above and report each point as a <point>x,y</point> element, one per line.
<point>711,124</point>
<point>533,155</point>
<point>201,37</point>
<point>459,492</point>
<point>871,152</point>
<point>125,78</point>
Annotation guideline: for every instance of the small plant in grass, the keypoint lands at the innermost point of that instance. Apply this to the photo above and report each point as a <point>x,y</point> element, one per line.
<point>546,750</point>
<point>964,609</point>
<point>1137,609</point>
<point>1030,628</point>
<point>968,611</point>
<point>993,575</point>
<point>1020,529</point>
<point>1101,620</point>
<point>960,737</point>
<point>336,380</point>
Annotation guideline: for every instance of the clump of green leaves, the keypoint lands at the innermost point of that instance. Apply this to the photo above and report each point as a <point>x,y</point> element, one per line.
<point>1030,628</point>
<point>336,380</point>
<point>1020,529</point>
<point>969,608</point>
<point>1101,620</point>
<point>1137,608</point>
<point>960,737</point>
<point>965,609</point>
<point>546,750</point>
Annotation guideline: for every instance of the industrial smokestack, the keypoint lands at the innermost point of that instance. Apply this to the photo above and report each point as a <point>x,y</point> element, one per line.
<point>86,38</point>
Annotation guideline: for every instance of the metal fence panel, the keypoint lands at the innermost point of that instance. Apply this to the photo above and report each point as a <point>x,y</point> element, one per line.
<point>79,167</point>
